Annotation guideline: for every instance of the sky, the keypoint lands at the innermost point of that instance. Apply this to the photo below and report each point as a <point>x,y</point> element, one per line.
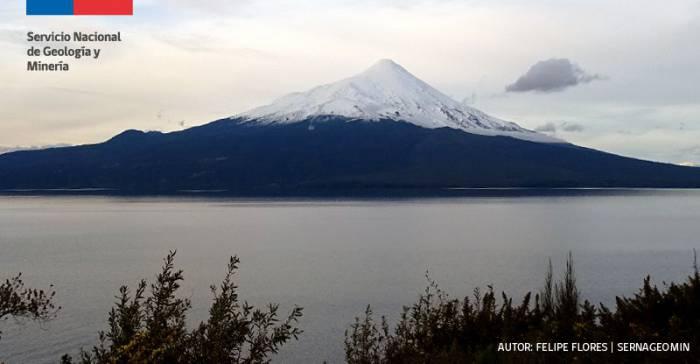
<point>605,74</point>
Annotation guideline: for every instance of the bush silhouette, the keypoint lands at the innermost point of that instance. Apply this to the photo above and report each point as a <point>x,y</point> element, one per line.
<point>149,324</point>
<point>439,329</point>
<point>152,328</point>
<point>18,301</point>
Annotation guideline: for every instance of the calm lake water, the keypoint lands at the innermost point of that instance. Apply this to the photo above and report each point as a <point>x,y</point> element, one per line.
<point>333,257</point>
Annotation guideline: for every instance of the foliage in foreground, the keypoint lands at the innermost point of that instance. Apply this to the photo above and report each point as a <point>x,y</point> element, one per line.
<point>20,302</point>
<point>152,328</point>
<point>438,329</point>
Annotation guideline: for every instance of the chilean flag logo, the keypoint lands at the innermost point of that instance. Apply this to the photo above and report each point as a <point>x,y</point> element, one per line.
<point>80,7</point>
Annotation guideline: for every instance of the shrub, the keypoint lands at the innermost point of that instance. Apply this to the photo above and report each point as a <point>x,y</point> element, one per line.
<point>152,329</point>
<point>438,329</point>
<point>18,301</point>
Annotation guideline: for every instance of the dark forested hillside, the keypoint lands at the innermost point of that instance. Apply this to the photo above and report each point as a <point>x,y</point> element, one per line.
<point>326,153</point>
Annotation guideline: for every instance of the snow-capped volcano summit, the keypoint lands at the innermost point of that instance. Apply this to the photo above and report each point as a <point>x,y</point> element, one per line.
<point>387,91</point>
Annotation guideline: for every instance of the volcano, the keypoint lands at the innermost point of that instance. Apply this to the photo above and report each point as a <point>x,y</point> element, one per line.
<point>381,130</point>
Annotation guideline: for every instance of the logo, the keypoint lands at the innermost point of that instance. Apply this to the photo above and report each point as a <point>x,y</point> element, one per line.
<point>80,7</point>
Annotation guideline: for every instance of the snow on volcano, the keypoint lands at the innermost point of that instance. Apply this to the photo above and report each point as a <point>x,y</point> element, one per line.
<point>387,91</point>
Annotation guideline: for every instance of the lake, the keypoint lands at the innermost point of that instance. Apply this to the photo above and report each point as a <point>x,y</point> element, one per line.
<point>333,257</point>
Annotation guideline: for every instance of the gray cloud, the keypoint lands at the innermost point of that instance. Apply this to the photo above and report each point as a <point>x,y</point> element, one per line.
<point>572,127</point>
<point>688,156</point>
<point>565,126</point>
<point>547,128</point>
<point>552,75</point>
<point>692,152</point>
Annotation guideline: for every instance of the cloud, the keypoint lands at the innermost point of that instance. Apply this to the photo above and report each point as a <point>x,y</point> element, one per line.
<point>4,150</point>
<point>552,75</point>
<point>690,156</point>
<point>572,127</point>
<point>694,150</point>
<point>553,128</point>
<point>547,128</point>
